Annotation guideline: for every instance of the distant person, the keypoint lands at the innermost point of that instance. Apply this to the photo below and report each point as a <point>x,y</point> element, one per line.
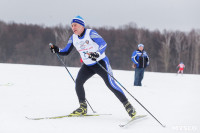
<point>140,62</point>
<point>181,67</point>
<point>91,47</point>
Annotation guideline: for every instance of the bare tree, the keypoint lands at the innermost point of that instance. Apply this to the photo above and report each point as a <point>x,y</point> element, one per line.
<point>62,36</point>
<point>196,52</point>
<point>27,44</point>
<point>165,51</point>
<point>139,36</point>
<point>179,36</point>
<point>193,51</point>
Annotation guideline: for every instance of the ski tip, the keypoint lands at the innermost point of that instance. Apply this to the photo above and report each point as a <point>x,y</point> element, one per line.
<point>132,119</point>
<point>139,116</point>
<point>33,118</point>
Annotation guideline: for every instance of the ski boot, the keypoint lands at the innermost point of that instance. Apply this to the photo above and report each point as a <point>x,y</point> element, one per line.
<point>129,108</point>
<point>82,110</point>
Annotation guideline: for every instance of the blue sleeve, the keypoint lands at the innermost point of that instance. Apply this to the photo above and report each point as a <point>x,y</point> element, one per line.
<point>98,40</point>
<point>134,55</point>
<point>68,47</point>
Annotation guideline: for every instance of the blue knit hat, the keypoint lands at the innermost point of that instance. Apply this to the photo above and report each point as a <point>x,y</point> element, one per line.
<point>79,20</point>
<point>140,45</point>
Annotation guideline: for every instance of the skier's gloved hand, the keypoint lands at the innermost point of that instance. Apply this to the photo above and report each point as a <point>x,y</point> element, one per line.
<point>93,56</point>
<point>54,49</point>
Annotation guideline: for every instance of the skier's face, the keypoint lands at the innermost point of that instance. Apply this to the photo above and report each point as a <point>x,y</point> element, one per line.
<point>77,28</point>
<point>140,48</point>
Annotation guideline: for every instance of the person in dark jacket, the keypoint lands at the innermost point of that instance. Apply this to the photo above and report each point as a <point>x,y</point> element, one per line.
<point>141,61</point>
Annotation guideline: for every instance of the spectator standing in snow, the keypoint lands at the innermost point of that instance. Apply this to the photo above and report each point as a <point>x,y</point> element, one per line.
<point>140,62</point>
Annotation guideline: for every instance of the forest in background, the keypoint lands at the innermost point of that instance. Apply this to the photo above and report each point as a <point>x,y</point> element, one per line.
<point>28,44</point>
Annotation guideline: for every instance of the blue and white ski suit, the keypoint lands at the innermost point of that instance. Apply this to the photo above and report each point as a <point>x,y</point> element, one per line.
<point>91,41</point>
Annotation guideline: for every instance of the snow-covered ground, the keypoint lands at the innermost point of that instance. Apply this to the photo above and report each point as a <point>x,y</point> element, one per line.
<point>40,91</point>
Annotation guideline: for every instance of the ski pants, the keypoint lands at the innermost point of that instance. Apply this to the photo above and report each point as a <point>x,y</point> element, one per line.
<point>139,74</point>
<point>86,72</point>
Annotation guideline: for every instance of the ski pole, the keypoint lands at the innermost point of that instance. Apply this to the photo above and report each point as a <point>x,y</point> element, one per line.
<point>130,94</point>
<point>51,45</point>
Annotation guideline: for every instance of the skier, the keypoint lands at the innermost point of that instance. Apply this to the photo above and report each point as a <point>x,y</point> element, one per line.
<point>91,47</point>
<point>141,61</point>
<point>181,67</point>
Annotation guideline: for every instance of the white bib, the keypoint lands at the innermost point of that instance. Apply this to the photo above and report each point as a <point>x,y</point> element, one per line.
<point>86,45</point>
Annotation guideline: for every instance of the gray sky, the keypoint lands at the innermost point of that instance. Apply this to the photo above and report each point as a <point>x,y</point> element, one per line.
<point>152,14</point>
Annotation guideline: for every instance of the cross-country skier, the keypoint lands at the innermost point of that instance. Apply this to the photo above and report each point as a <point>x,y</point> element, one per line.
<point>181,67</point>
<point>141,61</point>
<point>91,47</point>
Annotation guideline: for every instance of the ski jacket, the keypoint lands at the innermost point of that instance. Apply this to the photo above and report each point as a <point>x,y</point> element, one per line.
<point>181,66</point>
<point>90,41</point>
<point>140,58</point>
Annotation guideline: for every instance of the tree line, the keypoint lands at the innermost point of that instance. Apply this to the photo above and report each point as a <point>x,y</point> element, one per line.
<point>28,44</point>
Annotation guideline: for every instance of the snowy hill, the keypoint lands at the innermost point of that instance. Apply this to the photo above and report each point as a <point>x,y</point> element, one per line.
<point>40,91</point>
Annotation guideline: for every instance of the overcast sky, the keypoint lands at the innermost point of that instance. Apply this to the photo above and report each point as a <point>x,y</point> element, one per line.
<point>152,14</point>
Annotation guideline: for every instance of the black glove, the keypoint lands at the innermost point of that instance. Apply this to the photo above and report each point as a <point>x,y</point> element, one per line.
<point>93,56</point>
<point>54,49</point>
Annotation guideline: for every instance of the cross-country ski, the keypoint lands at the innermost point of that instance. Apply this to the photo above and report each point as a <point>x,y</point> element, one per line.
<point>137,117</point>
<point>64,116</point>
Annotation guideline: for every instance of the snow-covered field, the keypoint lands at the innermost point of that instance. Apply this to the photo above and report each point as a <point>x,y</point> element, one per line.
<point>40,91</point>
